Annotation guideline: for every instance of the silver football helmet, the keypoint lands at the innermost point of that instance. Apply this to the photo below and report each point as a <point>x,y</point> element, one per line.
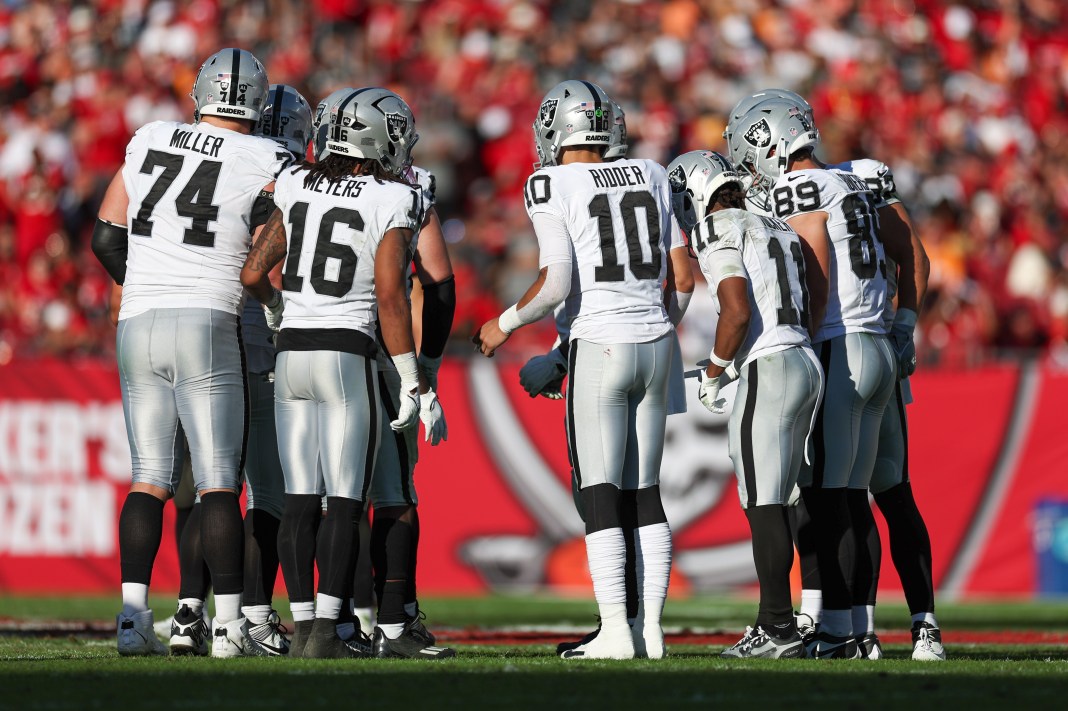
<point>694,178</point>
<point>287,119</point>
<point>321,120</point>
<point>231,83</point>
<point>573,113</point>
<point>374,124</point>
<point>753,100</point>
<point>618,147</point>
<point>763,140</point>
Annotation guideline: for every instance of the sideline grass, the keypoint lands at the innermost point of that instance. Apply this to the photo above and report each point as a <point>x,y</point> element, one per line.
<point>66,672</point>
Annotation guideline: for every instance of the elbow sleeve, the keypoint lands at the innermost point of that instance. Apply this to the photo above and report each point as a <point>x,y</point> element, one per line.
<point>110,245</point>
<point>439,306</point>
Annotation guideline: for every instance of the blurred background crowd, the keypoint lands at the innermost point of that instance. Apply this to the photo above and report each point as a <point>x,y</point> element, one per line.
<point>966,100</point>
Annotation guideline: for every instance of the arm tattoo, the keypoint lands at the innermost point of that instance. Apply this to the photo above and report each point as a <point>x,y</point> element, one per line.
<point>270,248</point>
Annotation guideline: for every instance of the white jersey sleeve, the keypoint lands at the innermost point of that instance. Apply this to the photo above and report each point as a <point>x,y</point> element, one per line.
<point>333,230</point>
<point>878,177</point>
<point>191,190</point>
<point>427,184</point>
<point>857,284</point>
<point>618,218</point>
<point>767,254</point>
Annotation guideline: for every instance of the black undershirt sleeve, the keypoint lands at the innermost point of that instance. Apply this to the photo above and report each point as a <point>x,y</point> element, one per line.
<point>439,305</point>
<point>110,244</point>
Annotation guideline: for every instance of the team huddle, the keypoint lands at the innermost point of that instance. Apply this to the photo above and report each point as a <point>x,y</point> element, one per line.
<point>265,338</point>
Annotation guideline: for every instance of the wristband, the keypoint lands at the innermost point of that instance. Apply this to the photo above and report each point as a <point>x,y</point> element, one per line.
<point>509,320</point>
<point>276,298</point>
<point>716,360</point>
<point>906,318</point>
<point>408,370</point>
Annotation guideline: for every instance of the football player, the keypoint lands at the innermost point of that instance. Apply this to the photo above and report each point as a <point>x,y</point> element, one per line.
<point>605,236</point>
<point>756,271</point>
<point>174,229</point>
<point>544,374</point>
<point>834,214</point>
<point>350,226</point>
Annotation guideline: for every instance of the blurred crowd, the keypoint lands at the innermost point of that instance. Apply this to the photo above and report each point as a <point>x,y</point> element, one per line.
<point>966,100</point>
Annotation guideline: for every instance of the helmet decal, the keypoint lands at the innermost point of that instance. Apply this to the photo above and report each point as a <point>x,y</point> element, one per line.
<point>677,179</point>
<point>547,112</point>
<point>759,134</point>
<point>396,126</point>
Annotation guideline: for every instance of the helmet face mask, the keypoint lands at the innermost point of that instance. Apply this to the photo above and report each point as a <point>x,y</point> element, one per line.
<point>231,84</point>
<point>372,124</point>
<point>287,119</point>
<point>762,141</point>
<point>572,113</point>
<point>694,178</point>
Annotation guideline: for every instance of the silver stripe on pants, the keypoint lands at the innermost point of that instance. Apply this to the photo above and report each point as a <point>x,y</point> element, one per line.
<point>326,416</point>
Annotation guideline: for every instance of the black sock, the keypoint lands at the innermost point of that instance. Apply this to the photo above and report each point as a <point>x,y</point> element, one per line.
<point>261,557</point>
<point>600,503</point>
<point>363,581</point>
<point>835,546</point>
<point>413,556</point>
<point>628,515</point>
<point>181,519</point>
<point>804,534</point>
<point>196,578</point>
<point>869,548</point>
<point>296,544</point>
<point>222,536</point>
<point>391,548</point>
<point>337,544</point>
<point>140,533</point>
<point>773,554</point>
<point>910,546</point>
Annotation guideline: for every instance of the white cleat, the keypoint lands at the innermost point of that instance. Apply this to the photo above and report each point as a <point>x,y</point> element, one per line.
<point>653,641</point>
<point>927,643</point>
<point>232,640</point>
<point>136,636</point>
<point>270,636</point>
<point>608,644</point>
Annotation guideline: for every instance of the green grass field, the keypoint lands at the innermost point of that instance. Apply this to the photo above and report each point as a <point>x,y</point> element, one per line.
<point>82,671</point>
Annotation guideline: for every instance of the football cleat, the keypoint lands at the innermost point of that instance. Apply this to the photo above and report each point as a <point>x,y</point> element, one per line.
<point>648,638</point>
<point>927,643</point>
<point>324,642</point>
<point>831,647</point>
<point>869,647</point>
<point>301,630</point>
<point>136,637</point>
<point>163,628</point>
<point>607,644</point>
<point>360,644</point>
<point>415,624</point>
<point>189,634</point>
<point>807,628</point>
<point>758,644</point>
<point>408,646</point>
<point>270,636</point>
<point>232,640</point>
<point>568,646</point>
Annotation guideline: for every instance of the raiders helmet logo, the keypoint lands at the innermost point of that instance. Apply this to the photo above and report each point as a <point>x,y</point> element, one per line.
<point>547,112</point>
<point>677,179</point>
<point>396,126</point>
<point>759,134</point>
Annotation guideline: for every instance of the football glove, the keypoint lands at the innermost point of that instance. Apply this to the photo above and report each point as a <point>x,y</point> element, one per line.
<point>709,393</point>
<point>433,418</point>
<point>430,366</point>
<point>544,375</point>
<point>273,311</point>
<point>902,342</point>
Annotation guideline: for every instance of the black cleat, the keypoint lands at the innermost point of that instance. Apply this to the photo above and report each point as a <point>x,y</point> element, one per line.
<point>189,633</point>
<point>323,642</point>
<point>408,646</point>
<point>830,647</point>
<point>301,630</point>
<point>415,623</point>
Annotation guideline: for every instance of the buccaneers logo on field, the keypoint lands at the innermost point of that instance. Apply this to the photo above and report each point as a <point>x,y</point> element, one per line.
<point>547,112</point>
<point>759,134</point>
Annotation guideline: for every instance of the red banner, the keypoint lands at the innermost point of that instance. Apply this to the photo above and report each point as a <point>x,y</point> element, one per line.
<point>985,446</point>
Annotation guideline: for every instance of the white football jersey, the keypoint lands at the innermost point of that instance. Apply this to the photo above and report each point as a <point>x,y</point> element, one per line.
<point>619,219</point>
<point>880,179</point>
<point>333,230</point>
<point>857,281</point>
<point>191,190</point>
<point>765,252</point>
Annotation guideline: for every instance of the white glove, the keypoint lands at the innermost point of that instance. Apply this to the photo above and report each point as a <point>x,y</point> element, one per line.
<point>730,373</point>
<point>430,366</point>
<point>544,375</point>
<point>433,418</point>
<point>272,310</point>
<point>408,414</point>
<point>709,393</point>
<point>901,339</point>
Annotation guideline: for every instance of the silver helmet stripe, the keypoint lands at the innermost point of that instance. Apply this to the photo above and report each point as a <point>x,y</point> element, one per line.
<point>597,111</point>
<point>341,109</point>
<point>276,115</point>
<point>235,71</point>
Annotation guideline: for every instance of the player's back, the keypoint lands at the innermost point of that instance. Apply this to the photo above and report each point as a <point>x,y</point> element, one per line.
<point>857,281</point>
<point>191,188</point>
<point>334,228</point>
<point>618,216</point>
<point>771,257</point>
